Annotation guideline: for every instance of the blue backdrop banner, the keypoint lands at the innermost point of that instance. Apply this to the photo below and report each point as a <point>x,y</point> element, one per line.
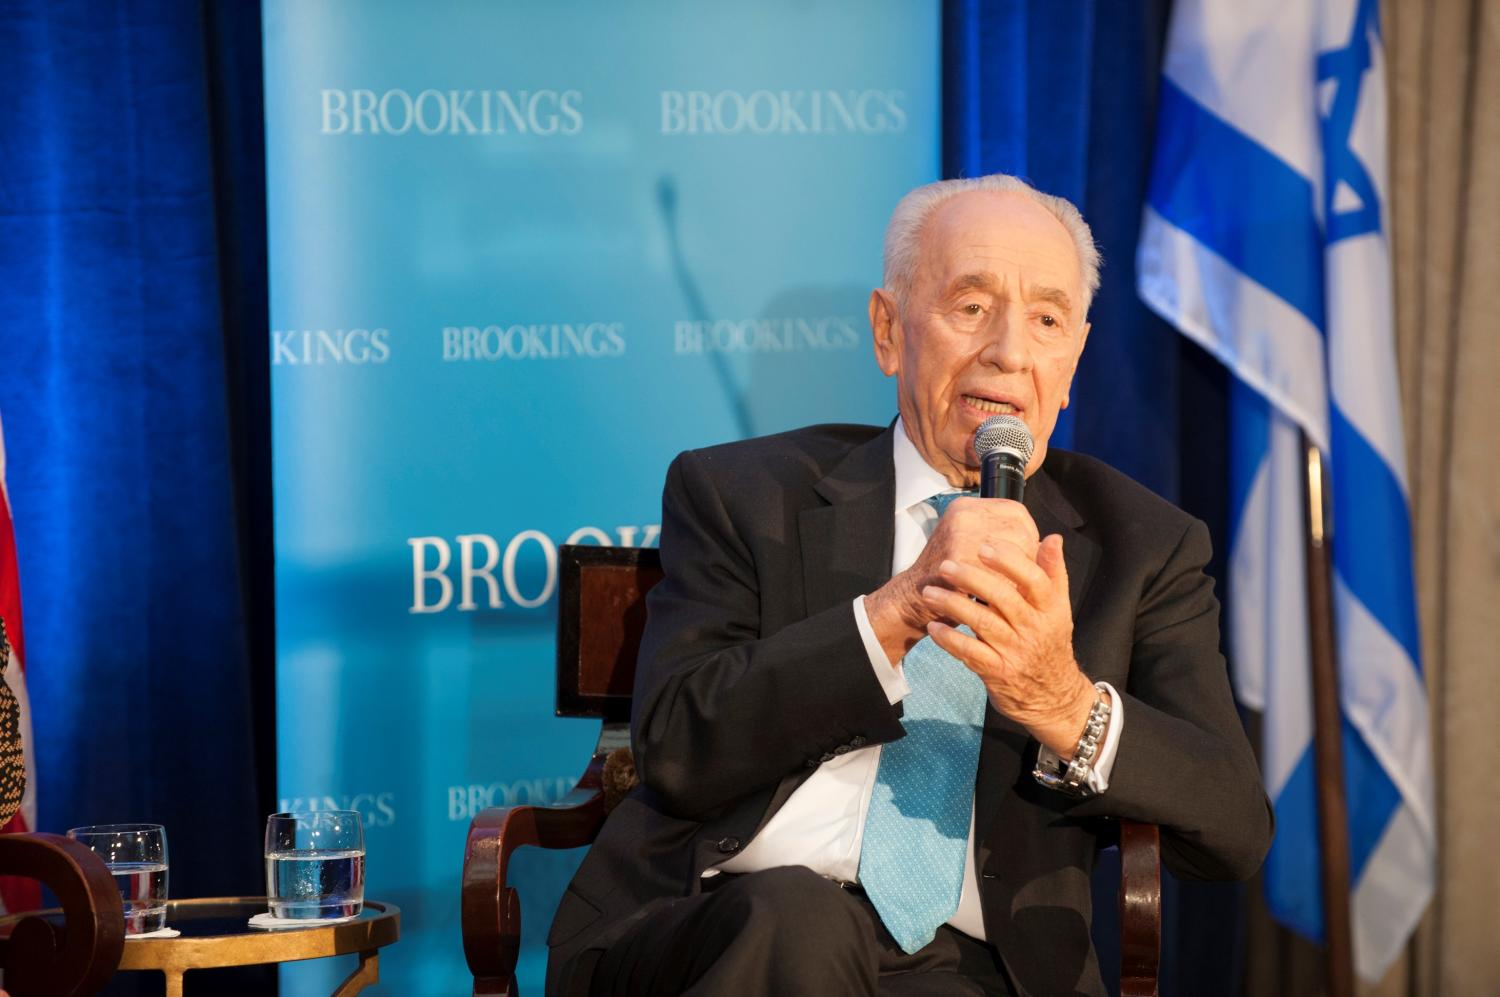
<point>520,256</point>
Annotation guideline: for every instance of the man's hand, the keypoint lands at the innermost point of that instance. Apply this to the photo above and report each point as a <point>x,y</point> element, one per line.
<point>898,612</point>
<point>1023,636</point>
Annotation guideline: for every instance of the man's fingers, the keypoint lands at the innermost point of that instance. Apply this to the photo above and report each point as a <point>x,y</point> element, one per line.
<point>976,655</point>
<point>989,520</point>
<point>1011,565</point>
<point>1049,557</point>
<point>958,607</point>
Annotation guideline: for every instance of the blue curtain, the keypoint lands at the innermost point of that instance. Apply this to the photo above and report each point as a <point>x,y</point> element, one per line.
<point>1063,93</point>
<point>130,473</point>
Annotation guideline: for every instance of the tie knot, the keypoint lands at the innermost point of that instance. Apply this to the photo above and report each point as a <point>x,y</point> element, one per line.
<point>941,502</point>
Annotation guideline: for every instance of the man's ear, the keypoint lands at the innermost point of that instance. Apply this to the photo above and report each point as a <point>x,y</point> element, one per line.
<point>885,328</point>
<point>1083,339</point>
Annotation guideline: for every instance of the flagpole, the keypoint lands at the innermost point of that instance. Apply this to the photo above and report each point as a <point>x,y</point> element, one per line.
<point>1333,812</point>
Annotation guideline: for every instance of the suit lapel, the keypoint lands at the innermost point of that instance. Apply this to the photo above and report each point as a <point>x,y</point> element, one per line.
<point>1055,514</point>
<point>847,544</point>
<point>1005,747</point>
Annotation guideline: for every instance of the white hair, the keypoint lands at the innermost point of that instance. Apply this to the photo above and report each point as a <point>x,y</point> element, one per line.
<point>903,236</point>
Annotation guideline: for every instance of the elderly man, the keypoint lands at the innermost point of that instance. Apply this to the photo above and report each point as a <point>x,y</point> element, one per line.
<point>879,723</point>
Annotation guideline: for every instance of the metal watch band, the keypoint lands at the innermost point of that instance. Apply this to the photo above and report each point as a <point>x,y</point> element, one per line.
<point>1072,777</point>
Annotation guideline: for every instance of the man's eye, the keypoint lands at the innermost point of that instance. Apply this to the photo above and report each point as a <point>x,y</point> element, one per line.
<point>973,308</point>
<point>1048,320</point>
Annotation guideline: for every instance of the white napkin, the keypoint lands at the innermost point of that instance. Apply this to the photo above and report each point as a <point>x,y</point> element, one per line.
<point>271,922</point>
<point>158,933</point>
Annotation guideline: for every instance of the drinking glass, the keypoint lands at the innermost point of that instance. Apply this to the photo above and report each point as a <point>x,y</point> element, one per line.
<point>137,857</point>
<point>315,864</point>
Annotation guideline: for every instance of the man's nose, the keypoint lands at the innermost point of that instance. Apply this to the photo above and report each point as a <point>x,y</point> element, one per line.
<point>1007,345</point>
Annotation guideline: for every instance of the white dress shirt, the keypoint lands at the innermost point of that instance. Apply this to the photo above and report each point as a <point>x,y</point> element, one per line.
<point>821,825</point>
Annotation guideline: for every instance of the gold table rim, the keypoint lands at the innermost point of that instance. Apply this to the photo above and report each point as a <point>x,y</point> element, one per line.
<point>254,947</point>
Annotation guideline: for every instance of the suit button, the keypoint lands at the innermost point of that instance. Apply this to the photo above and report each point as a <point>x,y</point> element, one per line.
<point>827,757</point>
<point>727,845</point>
<point>812,763</point>
<point>842,749</point>
<point>858,741</point>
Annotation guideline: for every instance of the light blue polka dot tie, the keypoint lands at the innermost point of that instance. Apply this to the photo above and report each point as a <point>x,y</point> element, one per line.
<point>911,862</point>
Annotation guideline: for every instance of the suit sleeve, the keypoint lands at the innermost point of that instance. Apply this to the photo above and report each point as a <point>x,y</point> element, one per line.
<point>721,710</point>
<point>1183,760</point>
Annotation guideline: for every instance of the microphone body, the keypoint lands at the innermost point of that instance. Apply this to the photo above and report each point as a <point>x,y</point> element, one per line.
<point>1003,445</point>
<point>1002,476</point>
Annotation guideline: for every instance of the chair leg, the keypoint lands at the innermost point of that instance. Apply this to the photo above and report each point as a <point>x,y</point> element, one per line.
<point>493,987</point>
<point>1140,908</point>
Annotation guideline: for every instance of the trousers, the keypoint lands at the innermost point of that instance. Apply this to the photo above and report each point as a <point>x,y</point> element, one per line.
<point>784,932</point>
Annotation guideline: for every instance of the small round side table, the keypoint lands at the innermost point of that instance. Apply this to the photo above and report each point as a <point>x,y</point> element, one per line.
<point>216,933</point>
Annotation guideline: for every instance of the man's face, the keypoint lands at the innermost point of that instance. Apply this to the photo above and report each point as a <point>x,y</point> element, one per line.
<point>992,323</point>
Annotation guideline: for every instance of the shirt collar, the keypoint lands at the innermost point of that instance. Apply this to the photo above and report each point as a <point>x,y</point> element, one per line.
<point>916,480</point>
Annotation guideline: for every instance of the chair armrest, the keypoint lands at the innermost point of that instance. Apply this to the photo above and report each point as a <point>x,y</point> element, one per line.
<point>1140,908</point>
<point>80,957</point>
<point>490,910</point>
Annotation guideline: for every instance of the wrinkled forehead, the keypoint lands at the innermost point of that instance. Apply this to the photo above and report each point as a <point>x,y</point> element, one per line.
<point>1003,234</point>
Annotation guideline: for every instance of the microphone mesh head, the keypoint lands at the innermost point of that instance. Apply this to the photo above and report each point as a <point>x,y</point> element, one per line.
<point>1007,433</point>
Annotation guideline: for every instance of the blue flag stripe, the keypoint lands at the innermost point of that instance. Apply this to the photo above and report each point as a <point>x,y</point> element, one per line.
<point>1372,534</point>
<point>1238,199</point>
<point>1293,868</point>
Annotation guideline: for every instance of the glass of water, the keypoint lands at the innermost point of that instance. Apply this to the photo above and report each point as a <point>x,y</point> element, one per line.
<point>137,856</point>
<point>315,864</point>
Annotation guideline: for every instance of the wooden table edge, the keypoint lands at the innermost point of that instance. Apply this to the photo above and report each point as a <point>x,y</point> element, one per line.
<point>262,946</point>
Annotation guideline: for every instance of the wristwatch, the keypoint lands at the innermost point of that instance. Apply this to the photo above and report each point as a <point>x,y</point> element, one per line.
<point>1072,777</point>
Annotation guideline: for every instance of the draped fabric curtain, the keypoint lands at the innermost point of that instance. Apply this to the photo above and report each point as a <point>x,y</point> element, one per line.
<point>1445,168</point>
<point>1065,96</point>
<point>129,470</point>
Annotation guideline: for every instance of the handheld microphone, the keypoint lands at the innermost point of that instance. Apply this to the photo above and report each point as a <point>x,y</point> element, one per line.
<point>1003,445</point>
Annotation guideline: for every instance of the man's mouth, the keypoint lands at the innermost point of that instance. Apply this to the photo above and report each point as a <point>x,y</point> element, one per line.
<point>989,405</point>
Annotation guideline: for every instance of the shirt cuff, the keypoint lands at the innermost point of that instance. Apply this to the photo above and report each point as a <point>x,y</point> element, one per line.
<point>891,678</point>
<point>1104,762</point>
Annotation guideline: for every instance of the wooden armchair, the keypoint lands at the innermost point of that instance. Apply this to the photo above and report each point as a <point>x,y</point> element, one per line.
<point>601,615</point>
<point>40,958</point>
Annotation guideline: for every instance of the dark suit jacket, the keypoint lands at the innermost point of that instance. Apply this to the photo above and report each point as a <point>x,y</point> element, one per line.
<point>752,671</point>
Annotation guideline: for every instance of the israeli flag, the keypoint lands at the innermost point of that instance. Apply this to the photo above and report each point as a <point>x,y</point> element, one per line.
<point>1266,240</point>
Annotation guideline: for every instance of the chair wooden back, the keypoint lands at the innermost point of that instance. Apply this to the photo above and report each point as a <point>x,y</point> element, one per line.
<point>601,615</point>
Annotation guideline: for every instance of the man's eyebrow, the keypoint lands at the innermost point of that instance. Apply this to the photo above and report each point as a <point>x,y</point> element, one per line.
<point>972,282</point>
<point>1053,295</point>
